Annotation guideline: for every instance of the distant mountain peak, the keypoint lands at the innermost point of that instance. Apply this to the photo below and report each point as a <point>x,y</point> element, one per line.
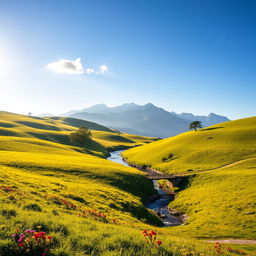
<point>148,119</point>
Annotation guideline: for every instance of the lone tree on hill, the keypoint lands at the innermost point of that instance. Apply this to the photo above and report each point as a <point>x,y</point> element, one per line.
<point>81,136</point>
<point>195,124</point>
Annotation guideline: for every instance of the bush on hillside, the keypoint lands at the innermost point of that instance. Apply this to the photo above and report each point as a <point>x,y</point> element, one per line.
<point>81,137</point>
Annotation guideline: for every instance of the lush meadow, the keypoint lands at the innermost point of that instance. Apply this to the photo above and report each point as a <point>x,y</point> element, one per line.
<point>220,198</point>
<point>59,199</point>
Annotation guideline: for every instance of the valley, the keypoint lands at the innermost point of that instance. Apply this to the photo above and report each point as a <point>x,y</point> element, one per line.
<point>80,198</point>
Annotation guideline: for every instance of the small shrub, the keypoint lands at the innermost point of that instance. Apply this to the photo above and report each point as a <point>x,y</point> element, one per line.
<point>164,159</point>
<point>33,207</point>
<point>54,212</point>
<point>170,155</point>
<point>8,213</point>
<point>76,198</point>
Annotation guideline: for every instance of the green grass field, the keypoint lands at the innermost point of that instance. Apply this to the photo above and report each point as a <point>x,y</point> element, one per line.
<point>29,133</point>
<point>89,205</point>
<point>221,200</point>
<point>193,151</point>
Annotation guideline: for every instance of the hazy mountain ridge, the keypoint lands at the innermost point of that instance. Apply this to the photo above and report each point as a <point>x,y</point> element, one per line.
<point>148,119</point>
<point>209,120</point>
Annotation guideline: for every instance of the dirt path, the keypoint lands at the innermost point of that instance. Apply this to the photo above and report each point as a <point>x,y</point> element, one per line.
<point>232,241</point>
<point>220,167</point>
<point>230,164</point>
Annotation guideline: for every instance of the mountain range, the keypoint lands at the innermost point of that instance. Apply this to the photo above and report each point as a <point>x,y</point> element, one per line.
<point>147,120</point>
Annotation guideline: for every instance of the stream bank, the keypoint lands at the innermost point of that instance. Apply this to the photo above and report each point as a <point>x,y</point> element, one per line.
<point>158,203</point>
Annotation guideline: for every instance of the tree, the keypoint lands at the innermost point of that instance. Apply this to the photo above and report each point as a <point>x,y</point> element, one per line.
<point>81,136</point>
<point>195,124</point>
<point>29,114</point>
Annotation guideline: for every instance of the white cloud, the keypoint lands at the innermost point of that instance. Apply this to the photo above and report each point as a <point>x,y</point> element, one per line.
<point>66,66</point>
<point>103,69</point>
<point>89,71</point>
<point>74,67</point>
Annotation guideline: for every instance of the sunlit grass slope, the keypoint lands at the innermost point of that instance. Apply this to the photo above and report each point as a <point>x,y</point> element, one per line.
<point>35,131</point>
<point>45,181</point>
<point>48,178</point>
<point>220,197</point>
<point>207,148</point>
<point>115,141</point>
<point>220,203</point>
<point>44,188</point>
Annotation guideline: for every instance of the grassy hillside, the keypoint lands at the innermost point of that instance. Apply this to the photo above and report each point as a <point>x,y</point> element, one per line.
<point>220,203</point>
<point>88,205</point>
<point>47,182</point>
<point>193,151</point>
<point>78,123</point>
<point>220,198</point>
<point>114,141</point>
<point>31,131</point>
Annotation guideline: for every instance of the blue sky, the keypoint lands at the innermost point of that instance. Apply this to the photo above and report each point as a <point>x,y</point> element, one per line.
<point>185,56</point>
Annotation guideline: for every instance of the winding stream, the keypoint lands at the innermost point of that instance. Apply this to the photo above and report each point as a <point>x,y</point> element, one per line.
<point>159,205</point>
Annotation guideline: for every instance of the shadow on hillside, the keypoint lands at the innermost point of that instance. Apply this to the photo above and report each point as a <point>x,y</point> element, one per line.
<point>120,138</point>
<point>7,125</point>
<point>8,133</point>
<point>79,123</point>
<point>39,126</point>
<point>209,129</point>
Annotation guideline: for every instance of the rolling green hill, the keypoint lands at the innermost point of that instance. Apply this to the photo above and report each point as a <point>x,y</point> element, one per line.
<point>205,149</point>
<point>33,131</point>
<point>89,205</point>
<point>220,161</point>
<point>48,182</point>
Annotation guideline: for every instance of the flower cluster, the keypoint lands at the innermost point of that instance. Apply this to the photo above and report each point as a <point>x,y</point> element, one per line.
<point>6,189</point>
<point>59,200</point>
<point>86,213</point>
<point>114,221</point>
<point>151,238</point>
<point>93,214</point>
<point>217,248</point>
<point>32,242</point>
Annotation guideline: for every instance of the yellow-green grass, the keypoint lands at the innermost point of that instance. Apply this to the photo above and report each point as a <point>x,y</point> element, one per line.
<point>220,203</point>
<point>220,197</point>
<point>204,149</point>
<point>42,173</point>
<point>74,235</point>
<point>57,130</point>
<point>115,141</point>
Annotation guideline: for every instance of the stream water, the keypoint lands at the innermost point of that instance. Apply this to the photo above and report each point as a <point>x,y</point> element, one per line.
<point>158,205</point>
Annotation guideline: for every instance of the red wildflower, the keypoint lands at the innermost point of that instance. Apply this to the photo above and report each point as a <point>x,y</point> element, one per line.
<point>159,242</point>
<point>153,233</point>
